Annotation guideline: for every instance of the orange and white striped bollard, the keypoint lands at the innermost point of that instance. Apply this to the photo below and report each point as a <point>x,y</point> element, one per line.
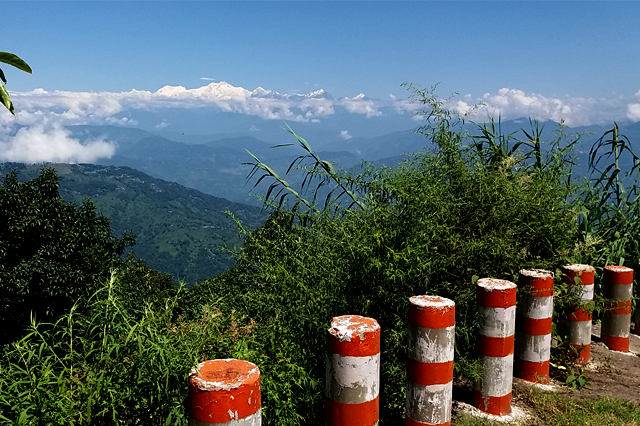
<point>580,317</point>
<point>497,306</point>
<point>430,364</point>
<point>616,321</point>
<point>533,326</point>
<point>224,392</point>
<point>352,388</point>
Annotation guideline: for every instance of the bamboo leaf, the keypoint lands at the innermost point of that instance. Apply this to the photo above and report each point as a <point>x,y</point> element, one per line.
<point>15,61</point>
<point>6,99</point>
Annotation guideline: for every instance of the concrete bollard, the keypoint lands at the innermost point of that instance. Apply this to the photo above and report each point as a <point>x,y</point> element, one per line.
<point>497,306</point>
<point>580,318</point>
<point>533,326</point>
<point>352,387</point>
<point>224,392</point>
<point>430,364</point>
<point>616,321</point>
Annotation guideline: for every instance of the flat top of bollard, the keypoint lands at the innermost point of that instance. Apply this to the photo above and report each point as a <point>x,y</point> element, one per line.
<point>537,273</point>
<point>344,327</point>
<point>224,374</point>
<point>579,267</point>
<point>618,268</point>
<point>431,301</point>
<point>495,284</point>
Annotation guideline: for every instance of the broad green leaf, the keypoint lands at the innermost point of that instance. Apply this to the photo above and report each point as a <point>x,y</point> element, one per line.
<point>6,99</point>
<point>14,60</point>
<point>2,77</point>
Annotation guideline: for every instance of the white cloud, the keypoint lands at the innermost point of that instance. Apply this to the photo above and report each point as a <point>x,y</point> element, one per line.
<point>404,105</point>
<point>39,143</point>
<point>344,135</point>
<point>512,103</point>
<point>359,105</point>
<point>68,108</point>
<point>633,109</point>
<point>162,125</point>
<point>208,79</point>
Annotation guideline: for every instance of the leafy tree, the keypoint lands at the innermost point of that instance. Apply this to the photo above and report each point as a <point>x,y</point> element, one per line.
<point>15,61</point>
<point>52,253</point>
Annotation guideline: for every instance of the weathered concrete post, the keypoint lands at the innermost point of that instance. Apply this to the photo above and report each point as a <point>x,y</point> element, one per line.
<point>224,392</point>
<point>533,326</point>
<point>497,306</point>
<point>580,317</point>
<point>430,364</point>
<point>616,321</point>
<point>352,387</point>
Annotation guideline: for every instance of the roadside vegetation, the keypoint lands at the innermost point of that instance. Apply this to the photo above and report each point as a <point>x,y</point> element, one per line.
<point>469,206</point>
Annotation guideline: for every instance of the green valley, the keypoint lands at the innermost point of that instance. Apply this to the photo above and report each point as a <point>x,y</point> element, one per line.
<point>179,230</point>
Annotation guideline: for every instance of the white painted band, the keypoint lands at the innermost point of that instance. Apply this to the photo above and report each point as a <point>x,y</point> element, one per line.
<point>497,322</point>
<point>580,332</point>
<point>585,292</point>
<point>538,307</point>
<point>533,348</point>
<point>254,419</point>
<point>429,404</point>
<point>431,344</point>
<point>352,379</point>
<point>615,325</point>
<point>497,376</point>
<point>620,292</point>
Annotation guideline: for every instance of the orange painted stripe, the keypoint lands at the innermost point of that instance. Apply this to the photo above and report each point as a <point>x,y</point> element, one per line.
<point>410,422</point>
<point>340,414</point>
<point>536,372</point>
<point>432,317</point>
<point>213,406</point>
<point>355,347</point>
<point>618,275</point>
<point>533,326</point>
<point>496,298</point>
<point>496,405</point>
<point>617,307</point>
<point>534,286</point>
<point>583,356</point>
<point>495,346</point>
<point>429,373</point>
<point>616,343</point>
<point>580,314</point>
<point>569,277</point>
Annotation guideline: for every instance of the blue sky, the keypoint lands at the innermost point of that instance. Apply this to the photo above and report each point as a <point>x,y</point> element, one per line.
<point>107,62</point>
<point>552,48</point>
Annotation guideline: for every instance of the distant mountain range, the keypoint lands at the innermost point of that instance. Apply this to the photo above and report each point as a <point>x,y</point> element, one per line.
<point>179,230</point>
<point>214,164</point>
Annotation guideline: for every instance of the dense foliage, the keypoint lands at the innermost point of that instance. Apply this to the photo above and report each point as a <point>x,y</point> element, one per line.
<point>52,253</point>
<point>469,206</point>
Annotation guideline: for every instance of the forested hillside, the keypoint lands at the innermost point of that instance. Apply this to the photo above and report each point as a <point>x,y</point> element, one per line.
<point>179,230</point>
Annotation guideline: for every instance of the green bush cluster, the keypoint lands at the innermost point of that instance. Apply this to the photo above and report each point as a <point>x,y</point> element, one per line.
<point>52,253</point>
<point>433,225</point>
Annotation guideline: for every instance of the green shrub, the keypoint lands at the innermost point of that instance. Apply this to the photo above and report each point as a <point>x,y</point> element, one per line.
<point>52,253</point>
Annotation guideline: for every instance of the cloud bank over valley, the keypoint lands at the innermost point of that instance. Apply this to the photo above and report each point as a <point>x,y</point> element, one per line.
<point>37,132</point>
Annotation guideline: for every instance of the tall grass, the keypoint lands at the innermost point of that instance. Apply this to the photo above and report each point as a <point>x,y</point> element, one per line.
<point>113,363</point>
